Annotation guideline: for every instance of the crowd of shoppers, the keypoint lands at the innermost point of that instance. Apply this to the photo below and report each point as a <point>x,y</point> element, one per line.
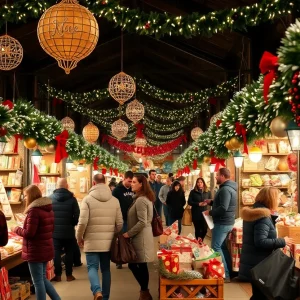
<point>49,227</point>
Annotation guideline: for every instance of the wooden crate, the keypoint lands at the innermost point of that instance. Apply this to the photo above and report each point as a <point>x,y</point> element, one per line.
<point>168,287</point>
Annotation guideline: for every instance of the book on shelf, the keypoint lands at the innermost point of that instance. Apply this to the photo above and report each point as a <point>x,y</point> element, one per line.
<point>11,162</point>
<point>53,169</point>
<point>17,162</point>
<point>4,179</point>
<point>3,162</point>
<point>15,195</point>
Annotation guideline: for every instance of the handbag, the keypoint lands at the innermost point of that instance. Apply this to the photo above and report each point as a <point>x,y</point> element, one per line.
<point>187,217</point>
<point>157,227</point>
<point>122,251</point>
<point>275,277</point>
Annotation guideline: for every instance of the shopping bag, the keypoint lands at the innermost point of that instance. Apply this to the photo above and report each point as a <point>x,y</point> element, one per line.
<point>275,276</point>
<point>122,251</point>
<point>157,227</point>
<point>187,217</point>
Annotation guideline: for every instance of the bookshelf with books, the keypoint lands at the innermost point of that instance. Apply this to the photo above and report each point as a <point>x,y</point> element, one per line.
<point>271,170</point>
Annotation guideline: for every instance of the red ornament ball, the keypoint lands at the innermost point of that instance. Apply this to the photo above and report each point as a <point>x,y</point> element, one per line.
<point>290,91</point>
<point>3,131</point>
<point>294,81</point>
<point>295,90</point>
<point>297,97</point>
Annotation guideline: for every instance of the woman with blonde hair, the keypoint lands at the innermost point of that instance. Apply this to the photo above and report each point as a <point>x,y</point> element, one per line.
<point>259,235</point>
<point>139,219</point>
<point>37,240</point>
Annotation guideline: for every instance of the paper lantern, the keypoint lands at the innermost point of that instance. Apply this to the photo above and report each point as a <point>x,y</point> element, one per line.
<point>90,133</point>
<point>30,143</point>
<point>119,129</point>
<point>140,142</point>
<point>68,124</point>
<point>135,111</point>
<point>196,132</point>
<point>11,53</point>
<point>68,32</point>
<point>121,87</point>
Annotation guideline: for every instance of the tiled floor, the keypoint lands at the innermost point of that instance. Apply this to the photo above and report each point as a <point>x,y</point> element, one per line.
<point>124,287</point>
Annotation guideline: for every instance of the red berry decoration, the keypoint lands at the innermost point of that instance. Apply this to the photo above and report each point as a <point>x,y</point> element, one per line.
<point>297,97</point>
<point>290,91</point>
<point>103,2</point>
<point>294,81</point>
<point>3,131</point>
<point>295,90</point>
<point>8,103</point>
<point>147,25</point>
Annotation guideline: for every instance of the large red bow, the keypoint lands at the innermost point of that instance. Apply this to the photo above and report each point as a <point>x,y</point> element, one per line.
<point>17,137</point>
<point>116,172</point>
<point>218,123</point>
<point>95,164</point>
<point>268,66</point>
<point>61,151</point>
<point>218,162</point>
<point>35,177</point>
<point>8,103</point>
<point>195,164</point>
<point>241,130</point>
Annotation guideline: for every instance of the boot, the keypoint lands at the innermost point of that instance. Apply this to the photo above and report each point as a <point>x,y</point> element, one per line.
<point>98,296</point>
<point>145,295</point>
<point>70,278</point>
<point>56,278</point>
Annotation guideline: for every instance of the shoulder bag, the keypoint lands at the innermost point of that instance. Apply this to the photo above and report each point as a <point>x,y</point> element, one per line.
<point>157,227</point>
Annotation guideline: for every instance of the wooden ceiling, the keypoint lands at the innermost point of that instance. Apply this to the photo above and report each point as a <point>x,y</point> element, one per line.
<point>175,64</point>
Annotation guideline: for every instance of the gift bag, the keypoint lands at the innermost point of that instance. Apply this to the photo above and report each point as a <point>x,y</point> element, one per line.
<point>187,217</point>
<point>275,276</point>
<point>5,290</point>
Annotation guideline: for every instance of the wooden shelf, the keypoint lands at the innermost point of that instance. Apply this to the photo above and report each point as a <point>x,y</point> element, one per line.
<point>260,187</point>
<point>10,153</point>
<point>15,203</point>
<point>9,170</point>
<point>12,186</point>
<point>275,154</point>
<point>260,171</point>
<point>49,174</point>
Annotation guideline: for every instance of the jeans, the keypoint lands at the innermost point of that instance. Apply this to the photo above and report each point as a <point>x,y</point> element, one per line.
<point>41,283</point>
<point>93,259</point>
<point>68,245</point>
<point>219,244</point>
<point>173,220</point>
<point>167,214</point>
<point>141,274</point>
<point>158,206</point>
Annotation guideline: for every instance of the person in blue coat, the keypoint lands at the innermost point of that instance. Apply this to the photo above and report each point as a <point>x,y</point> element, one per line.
<point>259,235</point>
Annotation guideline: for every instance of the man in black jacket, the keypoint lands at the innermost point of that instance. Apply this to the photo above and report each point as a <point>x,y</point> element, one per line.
<point>223,214</point>
<point>124,194</point>
<point>66,214</point>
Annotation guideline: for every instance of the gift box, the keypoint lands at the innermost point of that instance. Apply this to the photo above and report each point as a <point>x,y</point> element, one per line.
<point>181,248</point>
<point>5,289</point>
<point>163,239</point>
<point>236,235</point>
<point>296,248</point>
<point>50,273</point>
<point>236,250</point>
<point>198,264</point>
<point>50,264</point>
<point>170,260</point>
<point>185,266</point>
<point>202,251</point>
<point>171,229</point>
<point>214,269</point>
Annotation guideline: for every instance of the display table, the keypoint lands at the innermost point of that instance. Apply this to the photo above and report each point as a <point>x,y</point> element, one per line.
<point>11,261</point>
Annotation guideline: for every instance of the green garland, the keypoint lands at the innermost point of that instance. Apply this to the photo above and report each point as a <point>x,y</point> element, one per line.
<point>24,119</point>
<point>159,24</point>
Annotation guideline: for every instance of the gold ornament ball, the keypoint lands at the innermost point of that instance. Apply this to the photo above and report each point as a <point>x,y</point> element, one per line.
<point>68,32</point>
<point>206,159</point>
<point>235,143</point>
<point>30,143</point>
<point>278,126</point>
<point>229,146</point>
<point>50,148</point>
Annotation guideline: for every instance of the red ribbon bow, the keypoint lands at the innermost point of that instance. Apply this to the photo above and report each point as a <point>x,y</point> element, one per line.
<point>195,164</point>
<point>95,163</point>
<point>8,103</point>
<point>139,130</point>
<point>211,270</point>
<point>218,123</point>
<point>35,177</point>
<point>17,137</point>
<point>57,101</point>
<point>116,172</point>
<point>268,66</point>
<point>61,151</point>
<point>218,162</point>
<point>241,130</point>
<point>103,171</point>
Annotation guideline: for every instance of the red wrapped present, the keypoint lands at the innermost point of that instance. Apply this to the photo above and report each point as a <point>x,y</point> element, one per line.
<point>236,235</point>
<point>236,250</point>
<point>5,290</point>
<point>50,264</point>
<point>214,269</point>
<point>50,273</point>
<point>170,260</point>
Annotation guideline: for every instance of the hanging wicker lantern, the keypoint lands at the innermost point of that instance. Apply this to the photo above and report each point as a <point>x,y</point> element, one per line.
<point>68,32</point>
<point>140,142</point>
<point>11,53</point>
<point>196,132</point>
<point>119,129</point>
<point>135,111</point>
<point>68,124</point>
<point>121,87</point>
<point>215,118</point>
<point>90,133</point>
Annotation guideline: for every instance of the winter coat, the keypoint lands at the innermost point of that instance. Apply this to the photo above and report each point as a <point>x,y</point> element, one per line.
<point>224,204</point>
<point>259,238</point>
<point>3,230</point>
<point>37,231</point>
<point>100,217</point>
<point>140,216</point>
<point>125,197</point>
<point>163,193</point>
<point>196,197</point>
<point>176,202</point>
<point>66,214</point>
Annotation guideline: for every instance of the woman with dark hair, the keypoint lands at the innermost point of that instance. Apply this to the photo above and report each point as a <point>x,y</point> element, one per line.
<point>176,202</point>
<point>196,200</point>
<point>139,218</point>
<point>37,240</point>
